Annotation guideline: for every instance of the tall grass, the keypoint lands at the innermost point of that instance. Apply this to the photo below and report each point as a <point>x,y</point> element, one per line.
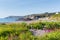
<point>21,31</point>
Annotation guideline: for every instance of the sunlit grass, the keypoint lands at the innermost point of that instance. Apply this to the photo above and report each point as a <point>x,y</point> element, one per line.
<point>21,31</point>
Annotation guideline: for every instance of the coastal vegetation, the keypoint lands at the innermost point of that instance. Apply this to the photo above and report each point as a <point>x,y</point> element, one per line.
<point>55,17</point>
<point>21,31</point>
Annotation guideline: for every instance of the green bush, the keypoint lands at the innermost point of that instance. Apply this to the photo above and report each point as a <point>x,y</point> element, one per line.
<point>38,25</point>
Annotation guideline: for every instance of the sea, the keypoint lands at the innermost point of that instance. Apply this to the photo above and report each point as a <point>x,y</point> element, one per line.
<point>3,20</point>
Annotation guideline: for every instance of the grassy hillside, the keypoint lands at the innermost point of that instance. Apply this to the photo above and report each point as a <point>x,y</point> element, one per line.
<point>55,17</point>
<point>22,31</point>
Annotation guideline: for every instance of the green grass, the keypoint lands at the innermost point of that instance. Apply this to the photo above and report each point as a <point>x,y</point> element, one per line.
<point>55,17</point>
<point>20,31</point>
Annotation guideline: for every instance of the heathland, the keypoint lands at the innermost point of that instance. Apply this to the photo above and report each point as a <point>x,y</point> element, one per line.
<point>39,30</point>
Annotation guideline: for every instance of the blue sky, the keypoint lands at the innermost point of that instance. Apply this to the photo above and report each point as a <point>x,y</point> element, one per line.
<point>25,7</point>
